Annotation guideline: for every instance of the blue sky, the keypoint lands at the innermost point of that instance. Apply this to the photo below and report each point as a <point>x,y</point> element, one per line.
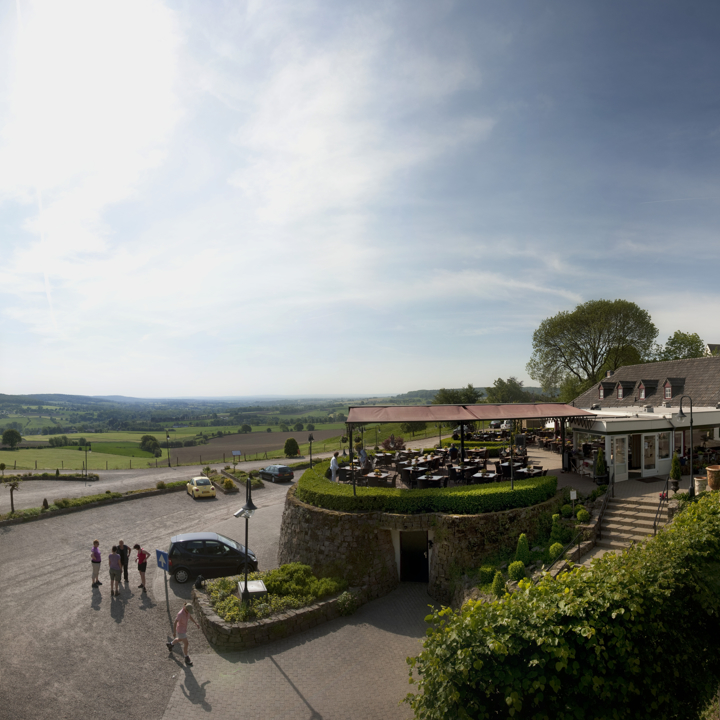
<point>236,198</point>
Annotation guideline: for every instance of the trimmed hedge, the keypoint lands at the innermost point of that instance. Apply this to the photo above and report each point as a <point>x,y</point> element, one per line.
<point>632,637</point>
<point>313,488</point>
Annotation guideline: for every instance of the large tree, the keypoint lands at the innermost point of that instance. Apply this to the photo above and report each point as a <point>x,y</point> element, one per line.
<point>571,349</point>
<point>11,437</point>
<point>508,391</point>
<point>461,396</point>
<point>682,345</point>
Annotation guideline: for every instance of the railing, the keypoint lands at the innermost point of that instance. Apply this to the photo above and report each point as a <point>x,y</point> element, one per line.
<point>663,499</point>
<point>608,494</point>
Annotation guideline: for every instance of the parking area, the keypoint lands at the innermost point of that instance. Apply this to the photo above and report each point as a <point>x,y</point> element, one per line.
<point>73,652</point>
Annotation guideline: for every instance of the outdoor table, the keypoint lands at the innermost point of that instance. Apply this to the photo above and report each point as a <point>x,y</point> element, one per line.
<point>490,477</point>
<point>378,476</point>
<point>432,480</point>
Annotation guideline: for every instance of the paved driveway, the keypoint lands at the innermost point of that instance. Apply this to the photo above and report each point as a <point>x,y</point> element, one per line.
<point>73,652</point>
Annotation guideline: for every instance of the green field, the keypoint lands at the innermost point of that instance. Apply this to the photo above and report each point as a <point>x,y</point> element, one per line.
<point>128,449</point>
<point>70,459</point>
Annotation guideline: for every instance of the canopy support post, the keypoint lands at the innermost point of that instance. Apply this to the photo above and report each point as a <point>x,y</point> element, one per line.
<point>562,443</point>
<point>352,467</point>
<point>462,439</point>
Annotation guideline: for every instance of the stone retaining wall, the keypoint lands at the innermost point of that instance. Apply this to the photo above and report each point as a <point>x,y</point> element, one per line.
<point>362,547</point>
<point>227,637</point>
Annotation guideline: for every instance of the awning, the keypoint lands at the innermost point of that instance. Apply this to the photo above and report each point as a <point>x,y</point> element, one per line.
<point>367,414</point>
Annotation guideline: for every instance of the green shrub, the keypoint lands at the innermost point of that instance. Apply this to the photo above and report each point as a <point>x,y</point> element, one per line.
<point>516,570</point>
<point>57,472</point>
<point>229,485</point>
<point>598,492</point>
<point>522,553</point>
<point>486,574</point>
<point>596,642</point>
<point>566,511</point>
<point>313,488</point>
<point>176,484</point>
<point>498,585</point>
<point>556,532</point>
<point>160,485</point>
<point>347,603</point>
<point>555,551</point>
<point>291,449</point>
<point>583,515</point>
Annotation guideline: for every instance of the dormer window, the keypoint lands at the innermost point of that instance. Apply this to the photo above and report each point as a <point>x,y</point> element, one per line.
<point>668,392</point>
<point>642,393</point>
<point>601,392</point>
<point>620,392</point>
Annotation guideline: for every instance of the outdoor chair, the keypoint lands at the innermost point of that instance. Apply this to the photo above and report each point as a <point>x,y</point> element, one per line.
<point>452,475</point>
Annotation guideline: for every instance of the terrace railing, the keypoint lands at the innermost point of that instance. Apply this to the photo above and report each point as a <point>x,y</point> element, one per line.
<point>663,499</point>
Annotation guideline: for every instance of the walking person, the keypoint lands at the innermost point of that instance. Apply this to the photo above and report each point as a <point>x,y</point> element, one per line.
<point>141,561</point>
<point>115,571</point>
<point>95,559</point>
<point>124,553</point>
<point>334,466</point>
<point>181,621</point>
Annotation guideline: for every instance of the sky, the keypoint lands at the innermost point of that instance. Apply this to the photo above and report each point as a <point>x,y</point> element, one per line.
<point>242,198</point>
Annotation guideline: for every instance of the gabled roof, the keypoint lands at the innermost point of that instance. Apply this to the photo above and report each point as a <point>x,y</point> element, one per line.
<point>697,377</point>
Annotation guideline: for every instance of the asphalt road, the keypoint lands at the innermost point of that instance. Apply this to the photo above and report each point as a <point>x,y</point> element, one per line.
<point>73,652</point>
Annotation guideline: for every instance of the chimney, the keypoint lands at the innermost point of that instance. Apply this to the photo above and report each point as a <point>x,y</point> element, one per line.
<point>609,373</point>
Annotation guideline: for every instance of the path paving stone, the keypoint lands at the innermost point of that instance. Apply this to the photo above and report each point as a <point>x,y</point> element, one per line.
<point>348,668</point>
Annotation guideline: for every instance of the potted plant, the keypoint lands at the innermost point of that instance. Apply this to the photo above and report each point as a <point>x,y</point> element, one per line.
<point>601,471</point>
<point>675,473</point>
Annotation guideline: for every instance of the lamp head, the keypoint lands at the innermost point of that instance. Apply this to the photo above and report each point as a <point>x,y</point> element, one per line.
<point>681,414</point>
<point>247,510</point>
<point>311,438</point>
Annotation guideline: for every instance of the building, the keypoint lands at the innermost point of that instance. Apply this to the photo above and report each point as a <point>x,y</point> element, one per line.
<point>638,420</point>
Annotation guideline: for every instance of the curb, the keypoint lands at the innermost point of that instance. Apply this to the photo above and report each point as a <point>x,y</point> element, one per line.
<point>100,503</point>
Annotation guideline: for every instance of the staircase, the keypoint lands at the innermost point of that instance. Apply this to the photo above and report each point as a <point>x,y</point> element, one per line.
<point>626,520</point>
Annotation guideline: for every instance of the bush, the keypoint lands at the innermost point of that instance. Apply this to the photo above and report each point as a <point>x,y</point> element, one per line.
<point>596,642</point>
<point>583,515</point>
<point>292,449</point>
<point>486,574</point>
<point>347,603</point>
<point>556,532</point>
<point>229,485</point>
<point>314,489</point>
<point>598,492</point>
<point>516,570</point>
<point>522,553</point>
<point>160,485</point>
<point>498,585</point>
<point>566,511</point>
<point>555,551</point>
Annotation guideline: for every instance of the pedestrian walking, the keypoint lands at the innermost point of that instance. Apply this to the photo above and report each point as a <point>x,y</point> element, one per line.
<point>334,466</point>
<point>181,621</point>
<point>115,571</point>
<point>95,559</point>
<point>124,553</point>
<point>141,561</point>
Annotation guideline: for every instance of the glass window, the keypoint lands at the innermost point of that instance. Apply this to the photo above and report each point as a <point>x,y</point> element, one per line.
<point>620,392</point>
<point>664,445</point>
<point>668,392</point>
<point>678,442</point>
<point>642,393</point>
<point>620,451</point>
<point>213,547</point>
<point>601,392</point>
<point>194,547</point>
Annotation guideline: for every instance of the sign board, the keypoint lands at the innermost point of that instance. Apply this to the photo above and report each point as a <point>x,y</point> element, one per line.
<point>573,494</point>
<point>236,452</point>
<point>162,560</point>
<point>256,588</point>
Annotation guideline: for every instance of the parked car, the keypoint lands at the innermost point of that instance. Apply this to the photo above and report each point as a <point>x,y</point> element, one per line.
<point>208,554</point>
<point>507,425</point>
<point>200,487</point>
<point>495,424</point>
<point>275,473</point>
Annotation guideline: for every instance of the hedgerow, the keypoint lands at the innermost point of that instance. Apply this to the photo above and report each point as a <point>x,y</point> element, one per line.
<point>633,636</point>
<point>313,488</point>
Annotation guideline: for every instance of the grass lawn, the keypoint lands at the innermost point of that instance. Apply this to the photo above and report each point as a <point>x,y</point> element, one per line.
<point>129,449</point>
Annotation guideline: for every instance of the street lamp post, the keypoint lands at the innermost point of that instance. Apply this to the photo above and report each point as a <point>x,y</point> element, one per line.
<point>310,440</point>
<point>246,511</point>
<point>167,437</point>
<point>681,417</point>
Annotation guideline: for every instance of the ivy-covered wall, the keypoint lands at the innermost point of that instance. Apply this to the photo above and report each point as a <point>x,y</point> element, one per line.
<point>359,546</point>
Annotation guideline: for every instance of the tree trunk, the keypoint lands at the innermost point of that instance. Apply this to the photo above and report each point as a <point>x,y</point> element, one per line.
<point>12,501</point>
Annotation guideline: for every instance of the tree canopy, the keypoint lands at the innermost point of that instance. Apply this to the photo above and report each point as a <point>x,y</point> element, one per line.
<point>508,391</point>
<point>11,437</point>
<point>681,345</point>
<point>572,349</point>
<point>462,396</point>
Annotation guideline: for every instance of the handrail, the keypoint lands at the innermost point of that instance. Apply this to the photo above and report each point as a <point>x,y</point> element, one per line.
<point>664,497</point>
<point>608,493</point>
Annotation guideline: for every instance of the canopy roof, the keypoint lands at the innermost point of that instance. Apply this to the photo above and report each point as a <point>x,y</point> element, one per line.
<point>463,413</point>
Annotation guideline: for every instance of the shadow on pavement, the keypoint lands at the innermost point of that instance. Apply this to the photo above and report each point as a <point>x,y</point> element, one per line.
<point>314,714</point>
<point>117,609</point>
<point>96,599</point>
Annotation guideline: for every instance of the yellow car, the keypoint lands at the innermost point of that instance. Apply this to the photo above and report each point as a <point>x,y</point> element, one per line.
<point>200,487</point>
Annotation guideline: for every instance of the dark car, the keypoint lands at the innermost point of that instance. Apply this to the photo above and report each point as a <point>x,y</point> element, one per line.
<point>208,554</point>
<point>277,473</point>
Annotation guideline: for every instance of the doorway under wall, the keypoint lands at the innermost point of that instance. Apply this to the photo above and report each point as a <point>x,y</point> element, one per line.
<point>414,556</point>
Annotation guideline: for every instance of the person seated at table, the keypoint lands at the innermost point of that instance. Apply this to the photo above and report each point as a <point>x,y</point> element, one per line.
<point>453,452</point>
<point>366,466</point>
